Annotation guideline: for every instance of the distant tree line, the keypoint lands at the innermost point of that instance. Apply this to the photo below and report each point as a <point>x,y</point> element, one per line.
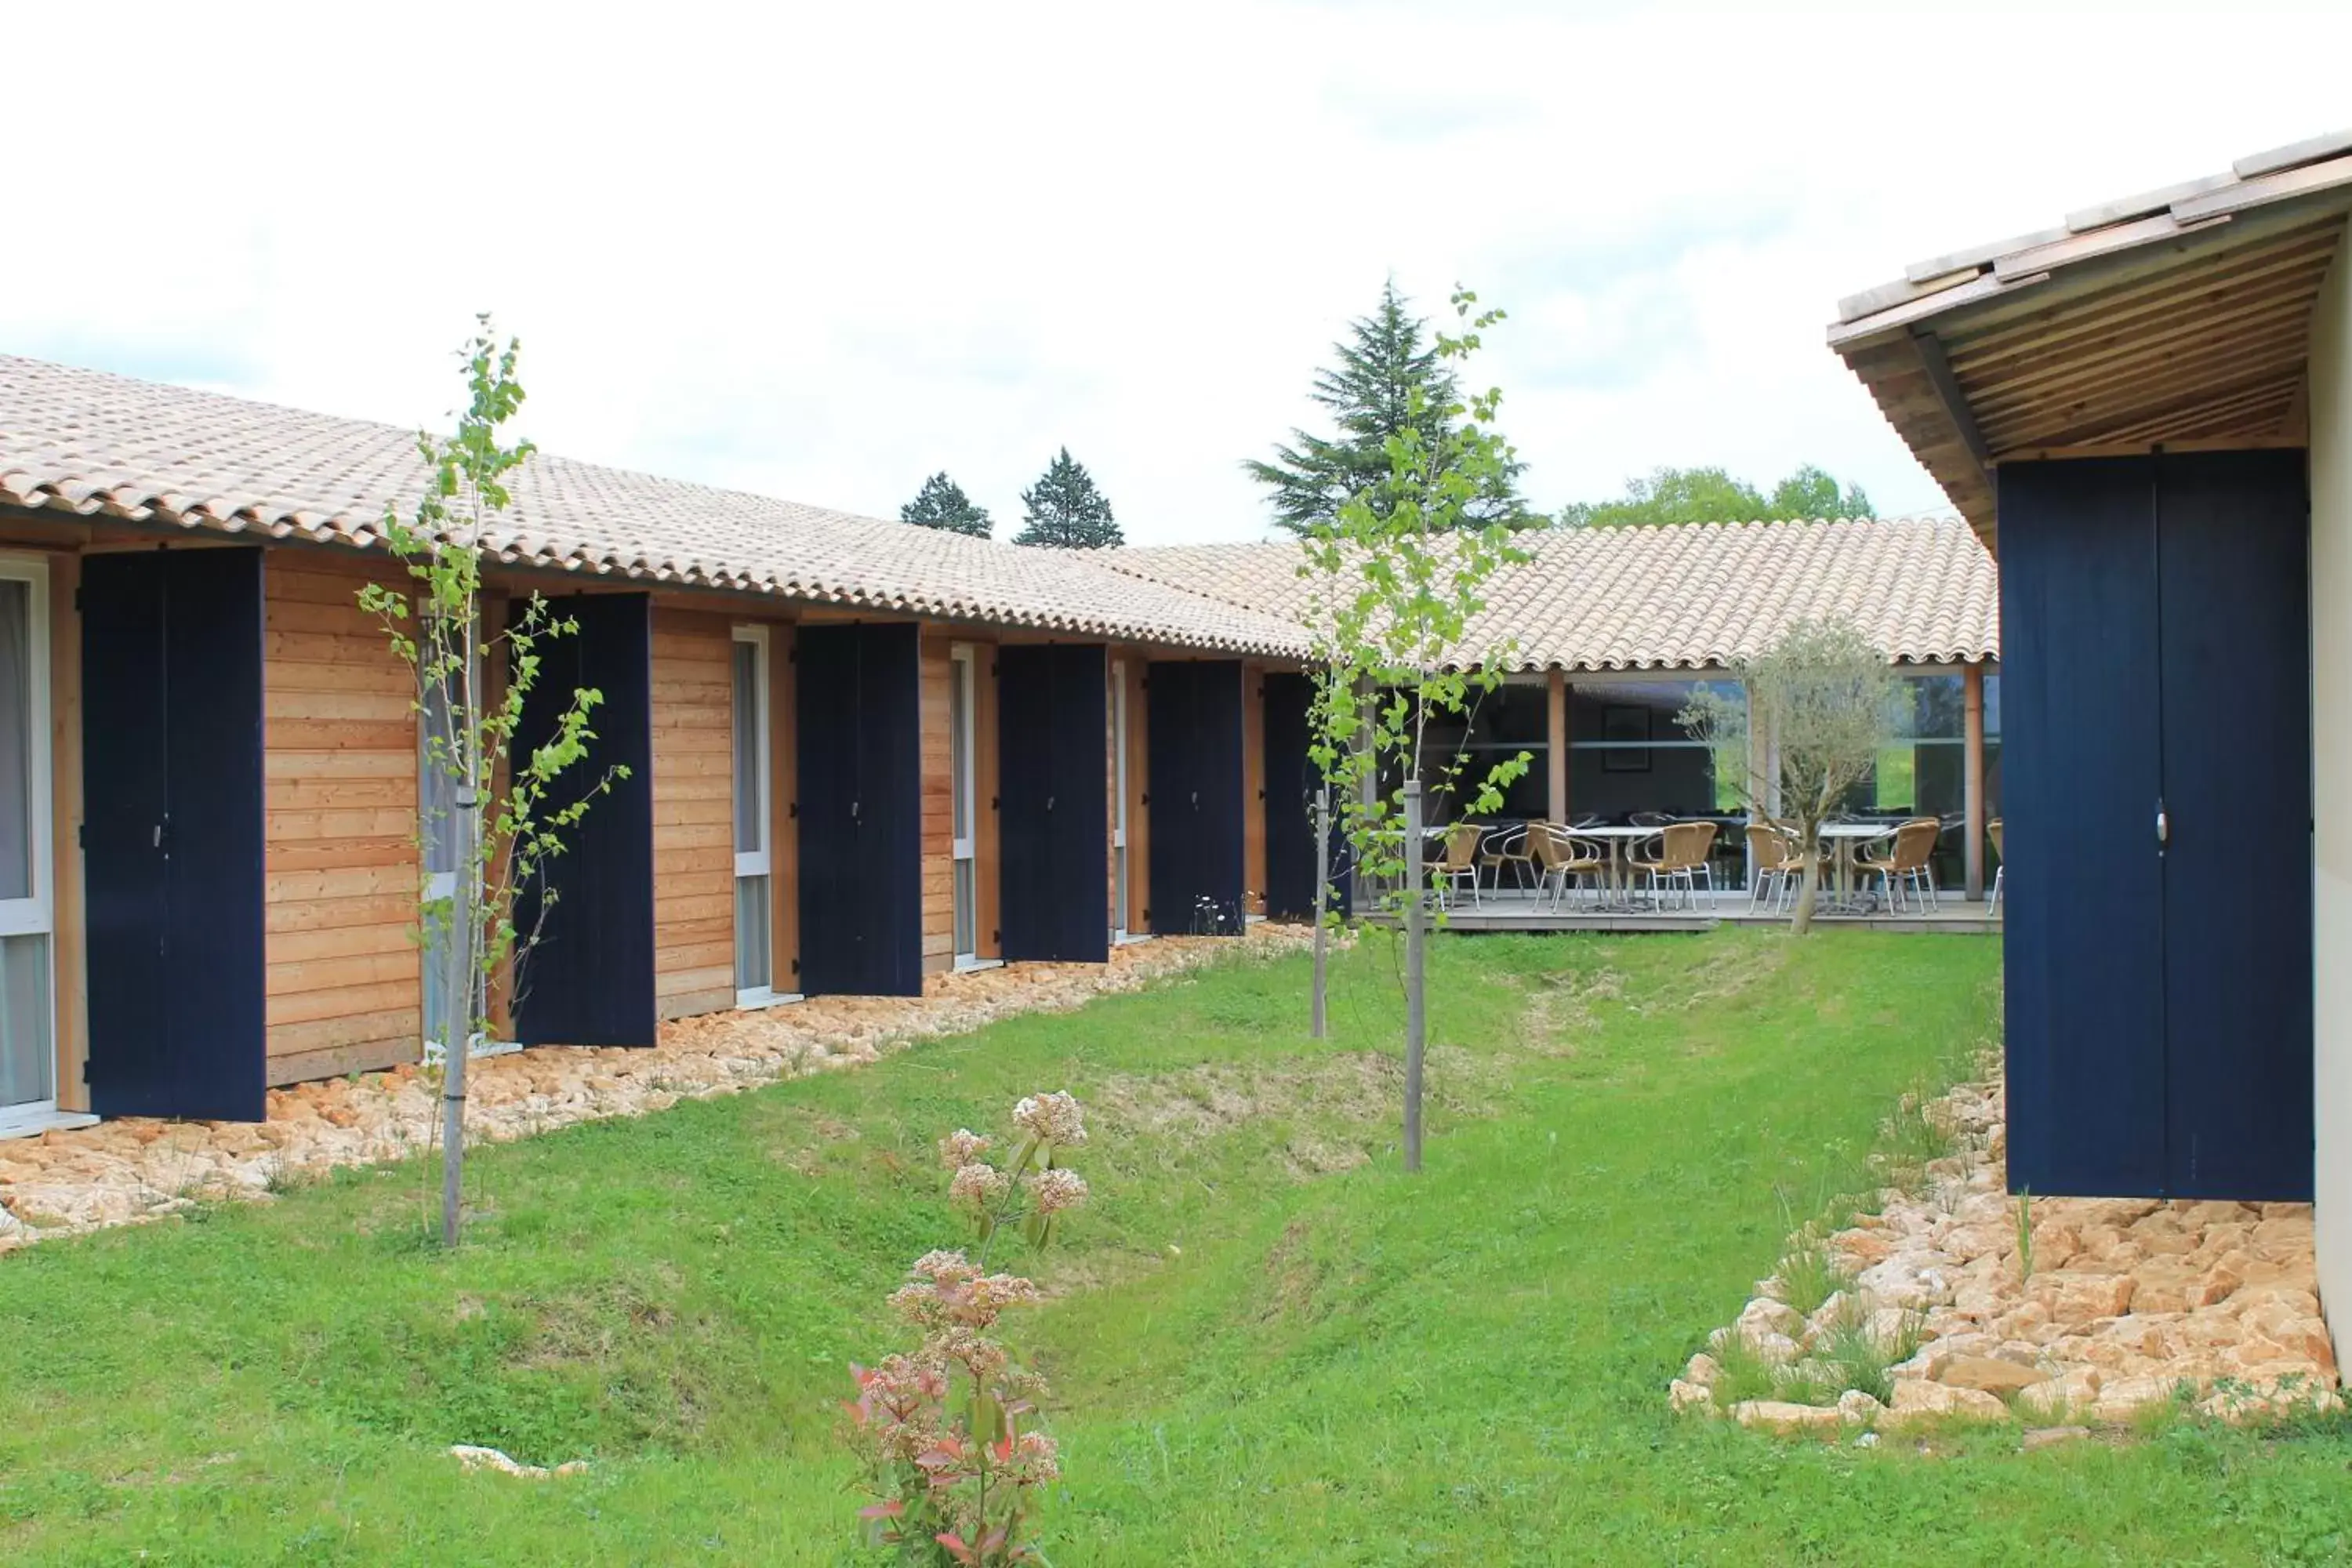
<point>1065,509</point>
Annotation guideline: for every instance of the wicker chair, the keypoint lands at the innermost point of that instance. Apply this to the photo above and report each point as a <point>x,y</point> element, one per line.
<point>1778,863</point>
<point>1512,848</point>
<point>1682,855</point>
<point>1908,863</point>
<point>1992,899</point>
<point>1459,865</point>
<point>1564,859</point>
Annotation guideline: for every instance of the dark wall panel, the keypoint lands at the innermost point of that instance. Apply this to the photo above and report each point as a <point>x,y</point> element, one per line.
<point>588,977</point>
<point>1194,769</point>
<point>172,739</point>
<point>2083,933</point>
<point>859,812</point>
<point>2234,547</point>
<point>1053,824</point>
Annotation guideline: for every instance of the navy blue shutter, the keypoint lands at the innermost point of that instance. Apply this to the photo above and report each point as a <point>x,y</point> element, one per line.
<point>859,756</point>
<point>1292,779</point>
<point>2156,657</point>
<point>2234,543</point>
<point>1053,822</point>
<point>2083,939</point>
<point>588,976</point>
<point>1195,765</point>
<point>172,738</point>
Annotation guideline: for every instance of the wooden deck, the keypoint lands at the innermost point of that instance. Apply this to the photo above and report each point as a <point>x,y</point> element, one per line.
<point>1513,910</point>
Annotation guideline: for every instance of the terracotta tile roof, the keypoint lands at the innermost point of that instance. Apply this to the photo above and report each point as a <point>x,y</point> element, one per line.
<point>92,444</point>
<point>1681,597</point>
<point>2173,315</point>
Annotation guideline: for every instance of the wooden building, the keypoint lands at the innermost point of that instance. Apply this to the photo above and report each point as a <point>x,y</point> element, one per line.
<point>860,755</point>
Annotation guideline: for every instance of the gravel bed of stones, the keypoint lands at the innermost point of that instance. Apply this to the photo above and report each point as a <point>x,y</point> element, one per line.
<point>2129,1303</point>
<point>64,1182</point>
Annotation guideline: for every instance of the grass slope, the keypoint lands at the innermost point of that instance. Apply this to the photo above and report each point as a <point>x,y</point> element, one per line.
<point>1336,1365</point>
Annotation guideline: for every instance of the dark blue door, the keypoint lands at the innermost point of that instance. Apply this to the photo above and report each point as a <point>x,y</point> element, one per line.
<point>1291,781</point>
<point>587,978</point>
<point>171,733</point>
<point>1053,790</point>
<point>860,810</point>
<point>1195,767</point>
<point>2233,544</point>
<point>2154,669</point>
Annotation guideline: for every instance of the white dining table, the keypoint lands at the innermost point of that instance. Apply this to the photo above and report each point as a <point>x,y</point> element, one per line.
<point>1843,838</point>
<point>1619,841</point>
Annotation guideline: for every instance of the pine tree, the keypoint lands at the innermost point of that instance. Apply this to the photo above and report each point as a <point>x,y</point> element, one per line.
<point>941,503</point>
<point>1065,509</point>
<point>1369,394</point>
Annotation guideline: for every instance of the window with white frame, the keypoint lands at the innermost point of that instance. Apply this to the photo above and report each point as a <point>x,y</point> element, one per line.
<point>965,789</point>
<point>755,947</point>
<point>28,1050</point>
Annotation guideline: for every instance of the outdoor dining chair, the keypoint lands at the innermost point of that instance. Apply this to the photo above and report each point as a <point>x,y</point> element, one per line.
<point>1564,860</point>
<point>1779,864</point>
<point>1509,847</point>
<point>1993,900</point>
<point>1681,858</point>
<point>1908,864</point>
<point>1459,865</point>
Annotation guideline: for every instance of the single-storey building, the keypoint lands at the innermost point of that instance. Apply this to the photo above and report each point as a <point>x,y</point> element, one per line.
<point>2147,410</point>
<point>861,754</point>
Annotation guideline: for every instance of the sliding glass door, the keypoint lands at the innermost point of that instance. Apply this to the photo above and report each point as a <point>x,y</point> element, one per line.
<point>755,947</point>
<point>27,1055</point>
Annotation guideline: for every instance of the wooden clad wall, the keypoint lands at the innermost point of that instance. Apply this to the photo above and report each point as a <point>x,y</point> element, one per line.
<point>694,822</point>
<point>988,889</point>
<point>1139,796</point>
<point>340,834</point>
<point>938,807</point>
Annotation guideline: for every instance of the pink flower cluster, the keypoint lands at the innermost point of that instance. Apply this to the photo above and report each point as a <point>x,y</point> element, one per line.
<point>1050,1192</point>
<point>962,1148</point>
<point>978,1186</point>
<point>1052,1119</point>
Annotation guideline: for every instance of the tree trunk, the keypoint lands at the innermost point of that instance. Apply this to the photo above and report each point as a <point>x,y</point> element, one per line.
<point>1416,951</point>
<point>457,1046</point>
<point>1808,881</point>
<point>1317,1021</point>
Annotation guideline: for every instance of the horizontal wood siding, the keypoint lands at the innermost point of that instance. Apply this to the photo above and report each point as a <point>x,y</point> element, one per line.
<point>339,767</point>
<point>939,808</point>
<point>694,813</point>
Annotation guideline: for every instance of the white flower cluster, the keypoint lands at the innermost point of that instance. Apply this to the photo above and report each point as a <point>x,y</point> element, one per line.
<point>1052,1119</point>
<point>1050,1192</point>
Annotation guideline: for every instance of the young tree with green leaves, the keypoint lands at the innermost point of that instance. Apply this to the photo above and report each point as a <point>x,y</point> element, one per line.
<point>1803,727</point>
<point>942,504</point>
<point>1713,495</point>
<point>1388,378</point>
<point>505,815</point>
<point>1065,510</point>
<point>1398,574</point>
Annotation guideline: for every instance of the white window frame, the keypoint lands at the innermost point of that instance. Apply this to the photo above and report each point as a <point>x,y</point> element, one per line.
<point>965,848</point>
<point>1120,871</point>
<point>35,914</point>
<point>760,862</point>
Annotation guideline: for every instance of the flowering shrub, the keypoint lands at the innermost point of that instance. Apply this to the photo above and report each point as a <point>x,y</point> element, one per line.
<point>948,1431</point>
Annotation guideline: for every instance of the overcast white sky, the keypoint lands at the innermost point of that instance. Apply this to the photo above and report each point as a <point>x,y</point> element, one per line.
<point>820,251</point>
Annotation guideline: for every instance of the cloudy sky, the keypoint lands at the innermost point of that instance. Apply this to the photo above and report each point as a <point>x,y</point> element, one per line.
<point>820,251</point>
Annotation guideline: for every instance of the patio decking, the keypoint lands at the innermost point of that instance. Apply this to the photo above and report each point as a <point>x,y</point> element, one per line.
<point>1517,909</point>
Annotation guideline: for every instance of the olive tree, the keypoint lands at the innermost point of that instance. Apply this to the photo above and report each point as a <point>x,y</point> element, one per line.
<point>1818,705</point>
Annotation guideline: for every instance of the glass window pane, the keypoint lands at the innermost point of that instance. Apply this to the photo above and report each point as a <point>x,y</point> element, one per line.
<point>751,798</point>
<point>754,963</point>
<point>964,923</point>
<point>25,1059</point>
<point>16,739</point>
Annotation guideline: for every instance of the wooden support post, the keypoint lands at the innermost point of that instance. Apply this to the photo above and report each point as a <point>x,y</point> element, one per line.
<point>1556,739</point>
<point>1416,957</point>
<point>1972,776</point>
<point>1319,1013</point>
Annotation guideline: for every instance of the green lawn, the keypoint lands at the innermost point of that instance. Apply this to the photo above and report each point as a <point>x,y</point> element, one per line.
<point>1271,1347</point>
